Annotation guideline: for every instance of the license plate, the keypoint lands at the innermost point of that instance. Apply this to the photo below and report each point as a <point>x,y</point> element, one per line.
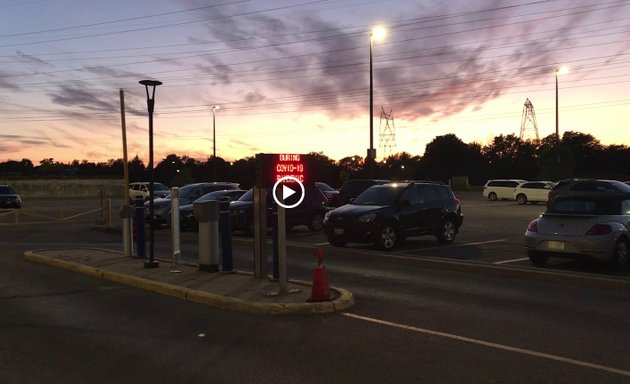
<point>555,245</point>
<point>338,231</point>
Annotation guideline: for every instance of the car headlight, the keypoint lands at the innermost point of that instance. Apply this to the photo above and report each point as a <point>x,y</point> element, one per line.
<point>367,218</point>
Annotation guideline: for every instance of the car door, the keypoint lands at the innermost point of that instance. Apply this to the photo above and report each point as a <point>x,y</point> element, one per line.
<point>430,207</point>
<point>409,210</point>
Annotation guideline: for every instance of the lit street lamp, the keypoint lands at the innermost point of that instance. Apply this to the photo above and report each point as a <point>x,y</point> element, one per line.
<point>378,34</point>
<point>215,108</point>
<point>151,263</point>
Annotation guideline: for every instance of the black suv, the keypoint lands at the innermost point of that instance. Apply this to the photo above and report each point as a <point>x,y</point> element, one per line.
<point>353,188</point>
<point>9,198</point>
<point>388,213</point>
<point>567,186</point>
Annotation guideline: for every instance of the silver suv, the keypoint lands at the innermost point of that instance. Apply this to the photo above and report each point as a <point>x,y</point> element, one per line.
<point>141,189</point>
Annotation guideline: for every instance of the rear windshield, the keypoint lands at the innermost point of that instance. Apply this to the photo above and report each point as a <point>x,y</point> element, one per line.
<point>585,206</point>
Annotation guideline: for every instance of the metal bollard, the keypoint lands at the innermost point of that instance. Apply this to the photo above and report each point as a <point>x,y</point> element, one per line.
<point>275,244</point>
<point>207,214</point>
<point>225,230</point>
<point>126,214</point>
<point>141,246</point>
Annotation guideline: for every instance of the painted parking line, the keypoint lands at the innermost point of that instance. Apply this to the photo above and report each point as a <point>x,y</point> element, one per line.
<point>489,344</point>
<point>454,245</point>
<point>510,261</point>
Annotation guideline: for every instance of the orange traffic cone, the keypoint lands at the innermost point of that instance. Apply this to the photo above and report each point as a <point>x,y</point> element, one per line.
<point>321,290</point>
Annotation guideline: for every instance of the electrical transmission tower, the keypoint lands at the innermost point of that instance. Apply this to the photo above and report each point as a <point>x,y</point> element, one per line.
<point>528,122</point>
<point>387,135</point>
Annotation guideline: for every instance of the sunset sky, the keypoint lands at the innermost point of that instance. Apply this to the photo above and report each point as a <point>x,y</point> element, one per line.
<point>293,76</point>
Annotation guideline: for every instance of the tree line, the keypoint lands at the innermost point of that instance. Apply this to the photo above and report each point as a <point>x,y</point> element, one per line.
<point>575,154</point>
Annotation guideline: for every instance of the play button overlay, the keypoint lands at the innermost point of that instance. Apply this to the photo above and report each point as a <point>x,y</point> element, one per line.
<point>287,191</point>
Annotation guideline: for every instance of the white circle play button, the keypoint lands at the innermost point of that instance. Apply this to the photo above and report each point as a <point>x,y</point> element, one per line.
<point>287,192</point>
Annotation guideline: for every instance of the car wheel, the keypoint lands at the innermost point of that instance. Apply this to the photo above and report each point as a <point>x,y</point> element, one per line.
<point>387,238</point>
<point>521,199</point>
<point>619,259</point>
<point>317,223</point>
<point>447,232</point>
<point>492,196</point>
<point>539,259</point>
<point>337,241</point>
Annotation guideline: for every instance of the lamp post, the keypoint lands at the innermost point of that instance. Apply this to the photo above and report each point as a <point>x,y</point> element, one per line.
<point>151,263</point>
<point>215,108</point>
<point>377,33</point>
<point>561,70</point>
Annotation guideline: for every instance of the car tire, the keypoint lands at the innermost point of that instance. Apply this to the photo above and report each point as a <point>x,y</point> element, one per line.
<point>337,241</point>
<point>521,199</point>
<point>447,232</point>
<point>619,260</point>
<point>537,258</point>
<point>317,223</point>
<point>387,237</point>
<point>492,196</point>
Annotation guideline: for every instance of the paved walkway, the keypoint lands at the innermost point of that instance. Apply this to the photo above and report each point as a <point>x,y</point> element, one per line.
<point>234,291</point>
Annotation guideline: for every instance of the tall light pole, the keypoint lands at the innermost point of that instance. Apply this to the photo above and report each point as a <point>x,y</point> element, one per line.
<point>151,263</point>
<point>559,71</point>
<point>215,108</point>
<point>377,33</point>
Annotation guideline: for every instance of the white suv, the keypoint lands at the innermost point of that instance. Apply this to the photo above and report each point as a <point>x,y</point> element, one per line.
<point>141,189</point>
<point>533,192</point>
<point>501,189</point>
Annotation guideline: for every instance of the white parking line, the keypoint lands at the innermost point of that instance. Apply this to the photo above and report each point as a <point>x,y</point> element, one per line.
<point>511,261</point>
<point>504,347</point>
<point>455,245</point>
<point>320,244</point>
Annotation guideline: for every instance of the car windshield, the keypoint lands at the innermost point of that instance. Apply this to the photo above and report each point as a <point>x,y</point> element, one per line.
<point>6,190</point>
<point>159,187</point>
<point>324,187</point>
<point>187,190</point>
<point>247,196</point>
<point>216,195</point>
<point>378,195</point>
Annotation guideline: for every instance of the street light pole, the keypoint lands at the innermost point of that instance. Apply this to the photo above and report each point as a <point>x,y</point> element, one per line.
<point>377,33</point>
<point>151,263</point>
<point>557,126</point>
<point>214,142</point>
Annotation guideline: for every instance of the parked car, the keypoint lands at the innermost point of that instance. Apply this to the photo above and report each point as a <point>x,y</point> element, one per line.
<point>310,212</point>
<point>388,213</point>
<point>532,192</point>
<point>9,198</point>
<point>187,218</point>
<point>568,186</point>
<point>501,189</point>
<point>579,226</point>
<point>141,189</point>
<point>328,191</point>
<point>187,194</point>
<point>353,188</point>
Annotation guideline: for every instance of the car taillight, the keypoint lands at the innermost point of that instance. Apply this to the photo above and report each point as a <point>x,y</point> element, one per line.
<point>599,229</point>
<point>549,195</point>
<point>533,226</point>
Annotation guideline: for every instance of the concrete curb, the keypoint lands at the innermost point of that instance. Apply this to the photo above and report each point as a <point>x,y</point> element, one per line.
<point>344,301</point>
<point>573,278</point>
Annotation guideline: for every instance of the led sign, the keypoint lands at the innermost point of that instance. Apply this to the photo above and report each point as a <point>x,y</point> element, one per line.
<point>273,167</point>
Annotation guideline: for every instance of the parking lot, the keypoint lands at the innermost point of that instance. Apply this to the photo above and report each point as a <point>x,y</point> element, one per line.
<point>492,233</point>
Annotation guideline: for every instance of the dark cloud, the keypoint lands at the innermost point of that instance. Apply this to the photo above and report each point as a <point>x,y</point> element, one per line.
<point>32,59</point>
<point>6,82</point>
<point>238,144</point>
<point>81,95</point>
